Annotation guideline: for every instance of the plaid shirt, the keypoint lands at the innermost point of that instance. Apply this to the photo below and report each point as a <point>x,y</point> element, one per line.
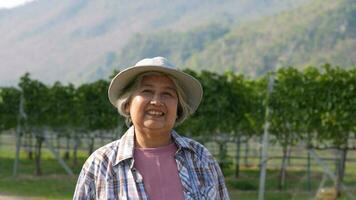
<point>109,173</point>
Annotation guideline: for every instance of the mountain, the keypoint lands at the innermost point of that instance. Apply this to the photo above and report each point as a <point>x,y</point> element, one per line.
<point>326,33</point>
<point>316,33</point>
<point>81,41</point>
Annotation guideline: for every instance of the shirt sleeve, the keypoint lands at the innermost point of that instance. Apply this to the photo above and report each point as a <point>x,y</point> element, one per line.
<point>85,188</point>
<point>220,183</point>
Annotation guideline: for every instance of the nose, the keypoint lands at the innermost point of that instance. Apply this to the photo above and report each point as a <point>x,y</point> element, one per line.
<point>156,100</point>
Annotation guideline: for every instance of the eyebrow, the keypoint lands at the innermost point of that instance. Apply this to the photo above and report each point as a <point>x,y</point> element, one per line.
<point>167,87</point>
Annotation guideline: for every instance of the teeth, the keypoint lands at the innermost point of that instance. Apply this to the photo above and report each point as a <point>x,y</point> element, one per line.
<point>157,113</point>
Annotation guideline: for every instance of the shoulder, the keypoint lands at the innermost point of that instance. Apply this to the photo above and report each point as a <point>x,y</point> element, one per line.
<point>101,158</point>
<point>107,150</point>
<point>94,170</point>
<point>199,151</point>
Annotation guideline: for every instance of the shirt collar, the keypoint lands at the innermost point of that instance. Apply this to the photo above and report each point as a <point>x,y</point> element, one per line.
<point>126,146</point>
<point>127,142</point>
<point>181,142</point>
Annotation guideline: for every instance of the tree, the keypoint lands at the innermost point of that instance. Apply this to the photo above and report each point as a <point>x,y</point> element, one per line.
<point>285,105</point>
<point>36,107</point>
<point>96,114</point>
<point>9,107</point>
<point>337,112</point>
<point>64,112</point>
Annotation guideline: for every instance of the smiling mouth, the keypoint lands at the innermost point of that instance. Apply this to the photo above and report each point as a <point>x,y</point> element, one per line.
<point>155,113</point>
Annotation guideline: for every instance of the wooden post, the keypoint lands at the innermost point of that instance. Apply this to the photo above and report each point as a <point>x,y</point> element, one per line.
<point>246,153</point>
<point>265,139</point>
<point>237,164</point>
<point>21,119</point>
<point>308,172</point>
<point>17,155</point>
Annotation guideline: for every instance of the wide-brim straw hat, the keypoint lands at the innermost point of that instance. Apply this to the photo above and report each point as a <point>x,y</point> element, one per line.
<point>190,86</point>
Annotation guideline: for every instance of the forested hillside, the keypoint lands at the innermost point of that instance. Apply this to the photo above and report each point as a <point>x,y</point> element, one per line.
<point>81,41</point>
<point>327,34</point>
<point>317,33</point>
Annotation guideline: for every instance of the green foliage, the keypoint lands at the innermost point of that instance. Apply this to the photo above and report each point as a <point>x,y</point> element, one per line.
<point>222,105</point>
<point>177,46</point>
<point>242,36</point>
<point>9,108</point>
<point>36,103</point>
<point>253,95</point>
<point>242,184</point>
<point>94,110</point>
<point>325,33</point>
<point>337,113</point>
<point>317,105</point>
<point>62,106</point>
<point>286,104</point>
<point>225,163</point>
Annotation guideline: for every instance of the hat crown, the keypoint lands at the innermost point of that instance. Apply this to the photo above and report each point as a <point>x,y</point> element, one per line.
<point>156,61</point>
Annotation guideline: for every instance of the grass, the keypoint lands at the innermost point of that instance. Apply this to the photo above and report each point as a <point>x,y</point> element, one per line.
<point>51,187</point>
<point>54,184</point>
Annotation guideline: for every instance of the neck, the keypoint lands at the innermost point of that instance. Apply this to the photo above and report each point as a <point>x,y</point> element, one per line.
<point>152,139</point>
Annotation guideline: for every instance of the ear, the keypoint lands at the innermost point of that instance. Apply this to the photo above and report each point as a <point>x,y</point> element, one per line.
<point>127,108</point>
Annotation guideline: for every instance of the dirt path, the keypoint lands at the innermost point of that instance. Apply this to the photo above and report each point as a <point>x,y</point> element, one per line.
<point>7,197</point>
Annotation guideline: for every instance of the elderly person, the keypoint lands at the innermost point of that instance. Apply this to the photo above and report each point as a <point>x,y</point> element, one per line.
<point>151,160</point>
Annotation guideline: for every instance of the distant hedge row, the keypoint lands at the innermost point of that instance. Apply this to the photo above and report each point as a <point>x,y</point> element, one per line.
<point>318,105</point>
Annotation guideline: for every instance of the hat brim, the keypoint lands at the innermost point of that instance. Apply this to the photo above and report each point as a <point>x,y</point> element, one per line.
<point>190,85</point>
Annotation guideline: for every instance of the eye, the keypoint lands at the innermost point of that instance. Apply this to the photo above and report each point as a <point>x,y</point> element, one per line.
<point>169,94</point>
<point>146,91</point>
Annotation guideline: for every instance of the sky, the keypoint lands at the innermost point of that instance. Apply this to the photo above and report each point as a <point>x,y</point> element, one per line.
<point>12,3</point>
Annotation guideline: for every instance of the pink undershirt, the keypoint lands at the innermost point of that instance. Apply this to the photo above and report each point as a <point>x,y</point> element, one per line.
<point>159,171</point>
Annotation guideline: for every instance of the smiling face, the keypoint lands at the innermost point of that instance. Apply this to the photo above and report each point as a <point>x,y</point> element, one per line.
<point>153,106</point>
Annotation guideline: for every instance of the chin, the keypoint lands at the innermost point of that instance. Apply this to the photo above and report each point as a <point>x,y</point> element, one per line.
<point>158,126</point>
<point>154,125</point>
